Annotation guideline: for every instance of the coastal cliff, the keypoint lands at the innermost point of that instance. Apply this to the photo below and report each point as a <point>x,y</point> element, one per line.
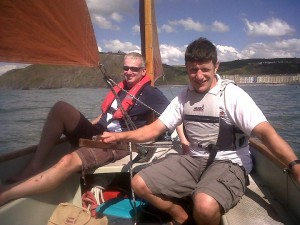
<point>285,70</point>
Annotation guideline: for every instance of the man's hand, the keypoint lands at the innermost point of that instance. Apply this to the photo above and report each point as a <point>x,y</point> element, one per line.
<point>108,137</point>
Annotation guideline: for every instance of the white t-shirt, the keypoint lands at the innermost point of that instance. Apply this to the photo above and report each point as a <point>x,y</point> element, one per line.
<point>113,126</point>
<point>241,110</point>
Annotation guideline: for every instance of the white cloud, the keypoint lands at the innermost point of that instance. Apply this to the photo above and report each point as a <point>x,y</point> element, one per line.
<point>291,45</point>
<point>218,26</point>
<point>166,28</point>
<point>7,67</point>
<point>172,55</point>
<point>188,24</point>
<point>108,7</point>
<point>289,48</point>
<point>116,45</point>
<point>270,27</point>
<point>106,13</point>
<point>103,23</point>
<point>136,29</point>
<point>227,53</point>
<point>278,49</point>
<point>116,17</point>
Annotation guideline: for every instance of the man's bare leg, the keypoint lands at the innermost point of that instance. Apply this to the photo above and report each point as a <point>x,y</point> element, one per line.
<point>61,117</point>
<point>174,210</point>
<point>44,181</point>
<point>207,211</point>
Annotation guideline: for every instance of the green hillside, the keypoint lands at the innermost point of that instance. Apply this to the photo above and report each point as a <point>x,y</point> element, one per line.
<point>49,76</point>
<point>261,66</point>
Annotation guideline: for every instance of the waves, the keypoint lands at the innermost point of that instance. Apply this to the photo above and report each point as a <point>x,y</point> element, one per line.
<point>23,112</point>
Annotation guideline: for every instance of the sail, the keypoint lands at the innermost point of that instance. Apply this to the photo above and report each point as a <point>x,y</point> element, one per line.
<point>47,32</point>
<point>149,39</point>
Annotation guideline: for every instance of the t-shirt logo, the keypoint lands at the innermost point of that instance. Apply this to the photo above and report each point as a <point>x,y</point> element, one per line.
<point>199,109</point>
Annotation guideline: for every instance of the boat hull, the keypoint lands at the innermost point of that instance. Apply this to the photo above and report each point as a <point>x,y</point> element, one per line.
<point>271,197</point>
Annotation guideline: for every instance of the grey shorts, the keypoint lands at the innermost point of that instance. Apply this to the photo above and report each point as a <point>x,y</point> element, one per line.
<point>180,176</point>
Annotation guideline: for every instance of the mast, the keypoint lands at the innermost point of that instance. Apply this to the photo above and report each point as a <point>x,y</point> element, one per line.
<point>149,40</point>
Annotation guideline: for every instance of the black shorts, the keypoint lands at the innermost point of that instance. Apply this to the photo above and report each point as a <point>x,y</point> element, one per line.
<point>84,129</point>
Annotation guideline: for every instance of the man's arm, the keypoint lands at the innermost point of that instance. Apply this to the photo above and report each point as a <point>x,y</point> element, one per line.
<point>143,134</point>
<point>96,120</point>
<point>271,139</point>
<point>185,144</point>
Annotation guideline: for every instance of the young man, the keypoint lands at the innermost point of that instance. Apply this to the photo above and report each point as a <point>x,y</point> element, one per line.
<point>65,119</point>
<point>218,117</point>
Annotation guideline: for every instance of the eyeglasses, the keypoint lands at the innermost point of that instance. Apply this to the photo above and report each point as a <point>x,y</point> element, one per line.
<point>132,68</point>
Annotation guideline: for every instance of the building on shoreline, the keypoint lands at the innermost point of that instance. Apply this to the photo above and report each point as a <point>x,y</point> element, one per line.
<point>264,79</point>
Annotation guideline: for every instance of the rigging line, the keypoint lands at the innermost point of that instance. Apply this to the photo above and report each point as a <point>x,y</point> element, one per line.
<point>128,121</point>
<point>168,84</point>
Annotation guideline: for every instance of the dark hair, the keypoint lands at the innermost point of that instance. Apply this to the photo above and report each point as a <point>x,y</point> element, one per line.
<point>201,50</point>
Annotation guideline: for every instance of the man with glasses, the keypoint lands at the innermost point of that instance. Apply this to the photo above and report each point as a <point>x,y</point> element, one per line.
<point>65,119</point>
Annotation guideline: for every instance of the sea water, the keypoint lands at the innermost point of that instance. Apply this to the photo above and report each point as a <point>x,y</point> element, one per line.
<point>23,112</point>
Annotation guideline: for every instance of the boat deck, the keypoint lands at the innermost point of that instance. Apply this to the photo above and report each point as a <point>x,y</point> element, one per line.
<point>255,207</point>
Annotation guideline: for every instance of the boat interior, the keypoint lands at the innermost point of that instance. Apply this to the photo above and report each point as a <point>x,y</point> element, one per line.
<point>260,204</point>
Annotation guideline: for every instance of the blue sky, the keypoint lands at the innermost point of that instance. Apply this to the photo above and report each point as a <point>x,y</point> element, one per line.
<point>240,29</point>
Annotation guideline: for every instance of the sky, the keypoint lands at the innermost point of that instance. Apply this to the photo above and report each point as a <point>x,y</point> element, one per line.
<point>240,29</point>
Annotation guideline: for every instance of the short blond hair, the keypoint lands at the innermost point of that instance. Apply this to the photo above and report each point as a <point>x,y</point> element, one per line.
<point>136,55</point>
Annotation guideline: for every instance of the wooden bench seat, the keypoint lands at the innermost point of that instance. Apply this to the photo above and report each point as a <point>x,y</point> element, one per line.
<point>123,165</point>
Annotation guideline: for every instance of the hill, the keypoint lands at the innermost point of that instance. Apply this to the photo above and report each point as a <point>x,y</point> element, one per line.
<point>261,66</point>
<point>49,76</point>
<point>278,66</point>
<point>52,76</point>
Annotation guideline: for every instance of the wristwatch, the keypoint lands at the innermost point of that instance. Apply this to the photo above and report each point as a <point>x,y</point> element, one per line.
<point>293,163</point>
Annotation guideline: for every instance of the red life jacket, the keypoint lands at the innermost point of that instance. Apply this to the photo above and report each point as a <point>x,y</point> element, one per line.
<point>128,101</point>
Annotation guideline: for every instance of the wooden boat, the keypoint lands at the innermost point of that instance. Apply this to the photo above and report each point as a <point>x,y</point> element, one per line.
<point>271,197</point>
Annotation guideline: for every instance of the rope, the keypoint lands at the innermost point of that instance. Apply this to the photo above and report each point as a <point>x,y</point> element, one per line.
<point>98,193</point>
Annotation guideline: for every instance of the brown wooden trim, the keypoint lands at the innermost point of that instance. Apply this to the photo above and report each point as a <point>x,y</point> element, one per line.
<point>17,153</point>
<point>22,152</point>
<point>97,144</point>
